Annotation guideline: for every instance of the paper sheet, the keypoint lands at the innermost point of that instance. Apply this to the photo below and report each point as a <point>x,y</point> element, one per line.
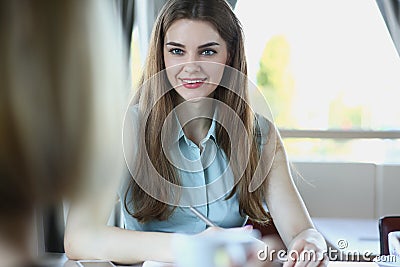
<point>157,264</point>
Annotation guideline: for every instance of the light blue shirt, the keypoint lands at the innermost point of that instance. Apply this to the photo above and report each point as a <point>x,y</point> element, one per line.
<point>207,166</point>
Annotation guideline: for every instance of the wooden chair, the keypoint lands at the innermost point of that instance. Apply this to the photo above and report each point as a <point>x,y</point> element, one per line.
<point>387,224</point>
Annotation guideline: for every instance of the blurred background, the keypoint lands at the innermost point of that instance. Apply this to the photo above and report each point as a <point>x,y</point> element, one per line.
<point>330,71</point>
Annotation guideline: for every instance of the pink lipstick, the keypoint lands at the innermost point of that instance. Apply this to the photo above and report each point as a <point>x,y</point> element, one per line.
<point>192,83</point>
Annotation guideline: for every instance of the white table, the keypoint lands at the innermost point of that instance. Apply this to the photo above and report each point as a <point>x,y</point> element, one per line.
<point>60,260</point>
<point>350,235</point>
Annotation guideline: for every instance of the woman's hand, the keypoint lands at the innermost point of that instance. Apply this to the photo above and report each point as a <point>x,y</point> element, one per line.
<point>307,249</point>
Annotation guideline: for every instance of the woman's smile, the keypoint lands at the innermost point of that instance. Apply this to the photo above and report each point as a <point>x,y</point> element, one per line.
<point>193,83</point>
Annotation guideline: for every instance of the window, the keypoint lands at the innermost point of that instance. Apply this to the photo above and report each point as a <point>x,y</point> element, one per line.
<point>136,59</point>
<point>330,73</point>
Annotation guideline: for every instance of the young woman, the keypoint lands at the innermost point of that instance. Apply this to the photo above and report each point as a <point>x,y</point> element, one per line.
<point>192,141</point>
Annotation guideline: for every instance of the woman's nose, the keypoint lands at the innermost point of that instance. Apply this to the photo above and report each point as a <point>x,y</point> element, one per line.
<point>192,66</point>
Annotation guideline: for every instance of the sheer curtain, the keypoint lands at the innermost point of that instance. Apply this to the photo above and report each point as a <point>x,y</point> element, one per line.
<point>390,10</point>
<point>125,9</point>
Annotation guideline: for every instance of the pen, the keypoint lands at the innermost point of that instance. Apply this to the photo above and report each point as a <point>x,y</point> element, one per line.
<point>202,217</point>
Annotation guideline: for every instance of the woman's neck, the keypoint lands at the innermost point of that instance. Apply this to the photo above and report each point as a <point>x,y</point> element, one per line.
<point>196,117</point>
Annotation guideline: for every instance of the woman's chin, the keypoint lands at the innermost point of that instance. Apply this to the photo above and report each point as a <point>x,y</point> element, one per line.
<point>194,97</point>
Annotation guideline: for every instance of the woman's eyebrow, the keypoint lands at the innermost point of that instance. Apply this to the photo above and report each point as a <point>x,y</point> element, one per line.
<point>175,44</point>
<point>208,44</point>
<point>199,47</point>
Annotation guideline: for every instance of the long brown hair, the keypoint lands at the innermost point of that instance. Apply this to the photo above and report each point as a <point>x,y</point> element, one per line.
<point>59,110</point>
<point>155,104</point>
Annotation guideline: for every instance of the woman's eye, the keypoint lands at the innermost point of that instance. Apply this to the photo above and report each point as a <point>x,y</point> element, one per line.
<point>208,52</point>
<point>176,51</point>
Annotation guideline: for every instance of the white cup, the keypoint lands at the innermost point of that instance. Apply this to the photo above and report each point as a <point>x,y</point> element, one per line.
<point>394,243</point>
<point>219,248</point>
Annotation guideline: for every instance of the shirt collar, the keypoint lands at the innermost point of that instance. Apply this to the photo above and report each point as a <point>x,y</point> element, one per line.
<point>211,132</point>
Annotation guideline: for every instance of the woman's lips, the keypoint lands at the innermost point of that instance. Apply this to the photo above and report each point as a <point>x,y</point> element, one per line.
<point>192,83</point>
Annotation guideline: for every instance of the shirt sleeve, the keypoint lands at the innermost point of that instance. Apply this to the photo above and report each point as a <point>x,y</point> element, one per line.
<point>263,126</point>
<point>262,129</point>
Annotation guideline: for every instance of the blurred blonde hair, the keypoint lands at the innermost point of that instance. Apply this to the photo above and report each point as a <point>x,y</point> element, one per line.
<point>61,88</point>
